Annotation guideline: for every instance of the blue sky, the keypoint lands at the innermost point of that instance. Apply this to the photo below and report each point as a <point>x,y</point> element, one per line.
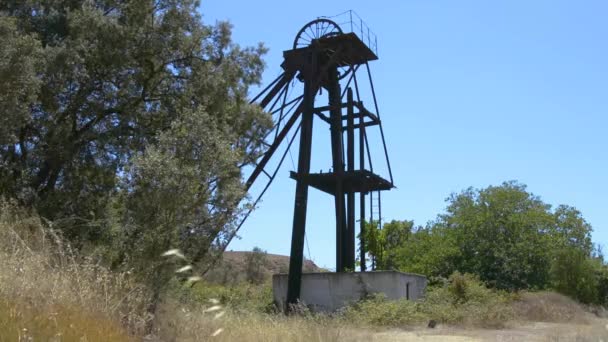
<point>472,93</point>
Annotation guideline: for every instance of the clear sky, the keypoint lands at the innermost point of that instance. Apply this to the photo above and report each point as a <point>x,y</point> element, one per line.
<point>472,93</point>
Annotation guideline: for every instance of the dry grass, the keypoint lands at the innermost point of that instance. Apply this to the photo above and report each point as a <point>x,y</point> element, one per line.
<point>47,291</point>
<point>196,325</point>
<point>549,307</point>
<point>23,321</point>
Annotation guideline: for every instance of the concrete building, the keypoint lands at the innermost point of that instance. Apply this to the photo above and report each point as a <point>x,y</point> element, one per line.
<point>329,291</point>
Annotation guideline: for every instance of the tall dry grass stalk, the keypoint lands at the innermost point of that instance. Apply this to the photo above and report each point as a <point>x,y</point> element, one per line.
<point>48,292</point>
<point>194,324</point>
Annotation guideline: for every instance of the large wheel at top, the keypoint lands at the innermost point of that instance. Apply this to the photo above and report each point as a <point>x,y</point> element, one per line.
<point>320,28</point>
<point>317,29</point>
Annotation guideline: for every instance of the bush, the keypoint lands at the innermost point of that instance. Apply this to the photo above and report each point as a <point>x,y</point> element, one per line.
<point>241,297</point>
<point>463,299</point>
<point>378,311</point>
<point>601,274</point>
<point>256,261</point>
<point>573,274</point>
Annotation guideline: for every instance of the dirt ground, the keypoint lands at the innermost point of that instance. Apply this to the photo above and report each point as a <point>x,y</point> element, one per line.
<point>595,330</point>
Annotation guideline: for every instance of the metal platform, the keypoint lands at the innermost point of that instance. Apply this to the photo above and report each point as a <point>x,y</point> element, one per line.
<point>346,50</point>
<point>356,181</point>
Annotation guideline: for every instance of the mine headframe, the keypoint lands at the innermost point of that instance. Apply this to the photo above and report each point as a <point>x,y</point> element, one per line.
<point>325,58</point>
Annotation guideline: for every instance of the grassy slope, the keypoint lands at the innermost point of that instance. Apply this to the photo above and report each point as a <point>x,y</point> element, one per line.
<point>232,268</point>
<point>47,293</point>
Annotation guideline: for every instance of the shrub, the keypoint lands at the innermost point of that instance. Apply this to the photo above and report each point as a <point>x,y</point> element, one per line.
<point>463,299</point>
<point>255,263</point>
<point>378,311</point>
<point>573,274</point>
<point>241,297</point>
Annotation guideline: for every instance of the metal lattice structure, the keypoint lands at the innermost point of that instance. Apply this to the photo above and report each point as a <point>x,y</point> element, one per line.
<point>324,57</point>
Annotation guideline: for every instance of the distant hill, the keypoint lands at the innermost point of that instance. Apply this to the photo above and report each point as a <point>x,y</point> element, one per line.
<point>239,266</point>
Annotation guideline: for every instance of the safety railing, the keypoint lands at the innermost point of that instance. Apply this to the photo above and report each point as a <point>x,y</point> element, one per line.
<point>350,21</point>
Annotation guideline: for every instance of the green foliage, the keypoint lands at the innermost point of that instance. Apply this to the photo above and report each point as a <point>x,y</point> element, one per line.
<point>127,123</point>
<point>570,230</point>
<point>382,243</point>
<point>19,64</point>
<point>242,297</point>
<point>600,270</point>
<point>498,231</point>
<point>378,311</point>
<point>256,261</point>
<point>463,299</point>
<point>430,251</point>
<point>574,274</point>
<point>104,81</point>
<point>373,244</point>
<point>506,236</point>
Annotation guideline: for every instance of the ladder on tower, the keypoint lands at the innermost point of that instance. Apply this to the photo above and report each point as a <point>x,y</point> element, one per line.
<point>376,208</point>
<point>375,215</point>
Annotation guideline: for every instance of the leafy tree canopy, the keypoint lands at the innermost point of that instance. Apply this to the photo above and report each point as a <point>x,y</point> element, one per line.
<point>126,121</point>
<point>504,234</point>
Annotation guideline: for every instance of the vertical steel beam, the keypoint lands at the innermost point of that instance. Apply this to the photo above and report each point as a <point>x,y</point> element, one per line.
<point>371,220</point>
<point>362,247</point>
<point>379,209</point>
<point>350,195</point>
<point>294,280</point>
<point>335,117</point>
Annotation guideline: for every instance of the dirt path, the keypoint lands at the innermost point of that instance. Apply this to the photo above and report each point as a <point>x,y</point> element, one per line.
<point>595,331</point>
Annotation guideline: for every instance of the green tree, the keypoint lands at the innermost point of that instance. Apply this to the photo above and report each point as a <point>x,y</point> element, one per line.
<point>573,273</point>
<point>382,243</point>
<point>20,56</point>
<point>107,84</point>
<point>19,64</point>
<point>127,124</point>
<point>500,232</point>
<point>431,250</point>
<point>571,230</point>
<point>373,244</point>
<point>575,270</point>
<point>394,234</point>
<point>506,236</point>
<point>256,262</point>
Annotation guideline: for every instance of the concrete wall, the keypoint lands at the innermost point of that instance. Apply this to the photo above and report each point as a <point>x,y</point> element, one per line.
<point>330,291</point>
